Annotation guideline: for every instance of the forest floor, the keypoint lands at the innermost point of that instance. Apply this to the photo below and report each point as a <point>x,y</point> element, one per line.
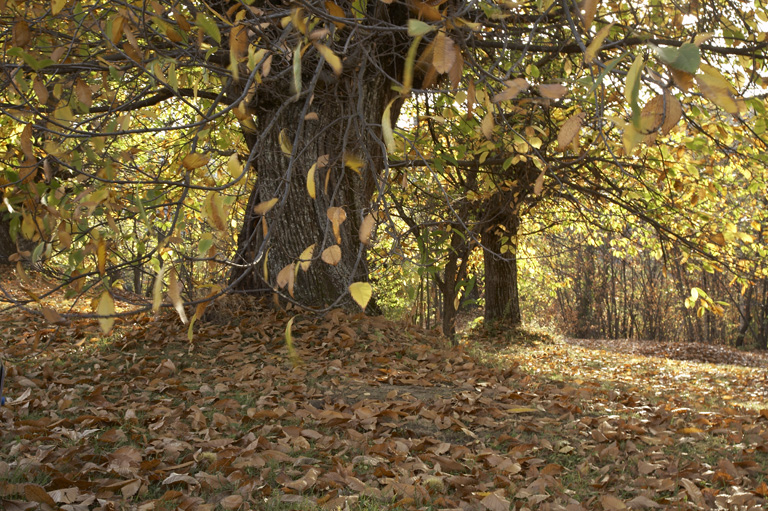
<point>367,414</point>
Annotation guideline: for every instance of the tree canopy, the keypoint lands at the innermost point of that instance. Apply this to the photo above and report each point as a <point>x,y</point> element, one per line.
<point>264,147</point>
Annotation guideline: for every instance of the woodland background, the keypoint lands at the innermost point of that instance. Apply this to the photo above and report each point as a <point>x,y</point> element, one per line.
<point>267,254</point>
<point>603,162</point>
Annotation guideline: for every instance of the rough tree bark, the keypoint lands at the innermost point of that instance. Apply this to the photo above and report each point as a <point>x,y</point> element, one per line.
<point>349,110</point>
<point>502,300</point>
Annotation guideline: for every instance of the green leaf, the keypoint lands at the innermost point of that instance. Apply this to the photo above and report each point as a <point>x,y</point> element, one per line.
<point>386,129</point>
<point>686,58</point>
<point>632,88</point>
<point>209,26</point>
<point>418,28</point>
<point>297,70</point>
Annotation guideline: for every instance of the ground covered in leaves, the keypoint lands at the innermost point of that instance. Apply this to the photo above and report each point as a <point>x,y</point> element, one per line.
<point>368,415</point>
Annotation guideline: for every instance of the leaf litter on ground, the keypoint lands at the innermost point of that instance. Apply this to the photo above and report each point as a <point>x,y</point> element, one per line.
<point>369,415</point>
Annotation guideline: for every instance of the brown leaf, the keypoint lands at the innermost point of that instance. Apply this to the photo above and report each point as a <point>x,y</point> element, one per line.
<point>552,90</point>
<point>444,53</point>
<point>331,255</point>
<point>51,316</point>
<point>569,131</point>
<point>306,482</point>
<point>231,501</point>
<point>611,503</point>
<point>589,8</point>
<point>366,228</point>
<point>286,277</point>
<point>494,502</point>
<point>514,88</point>
<point>641,502</point>
<point>693,491</point>
<point>37,493</point>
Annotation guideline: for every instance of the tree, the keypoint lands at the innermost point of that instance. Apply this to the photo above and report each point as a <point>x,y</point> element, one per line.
<point>124,158</point>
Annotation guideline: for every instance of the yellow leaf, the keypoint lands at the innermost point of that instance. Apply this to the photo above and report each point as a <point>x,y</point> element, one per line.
<point>569,131</point>
<point>444,53</point>
<point>194,160</point>
<point>234,169</point>
<point>106,307</point>
<point>215,211</point>
<point>285,143</point>
<point>331,58</point>
<point>57,6</point>
<point>305,259</point>
<point>690,431</point>
<point>410,58</point>
<point>702,38</point>
<point>366,228</point>
<point>514,87</point>
<point>717,89</point>
<point>597,42</point>
<point>632,137</point>
<point>286,277</point>
<point>311,181</point>
<point>335,10</point>
<point>718,238</point>
<point>331,255</point>
<point>263,207</point>
<point>23,274</point>
<point>361,293</point>
<point>289,343</point>
<point>353,161</point>
<point>336,215</point>
<point>101,256</point>
<point>174,293</point>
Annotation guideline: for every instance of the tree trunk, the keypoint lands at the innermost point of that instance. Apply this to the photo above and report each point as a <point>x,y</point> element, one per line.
<point>502,302</point>
<point>7,246</point>
<point>453,274</point>
<point>348,115</point>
